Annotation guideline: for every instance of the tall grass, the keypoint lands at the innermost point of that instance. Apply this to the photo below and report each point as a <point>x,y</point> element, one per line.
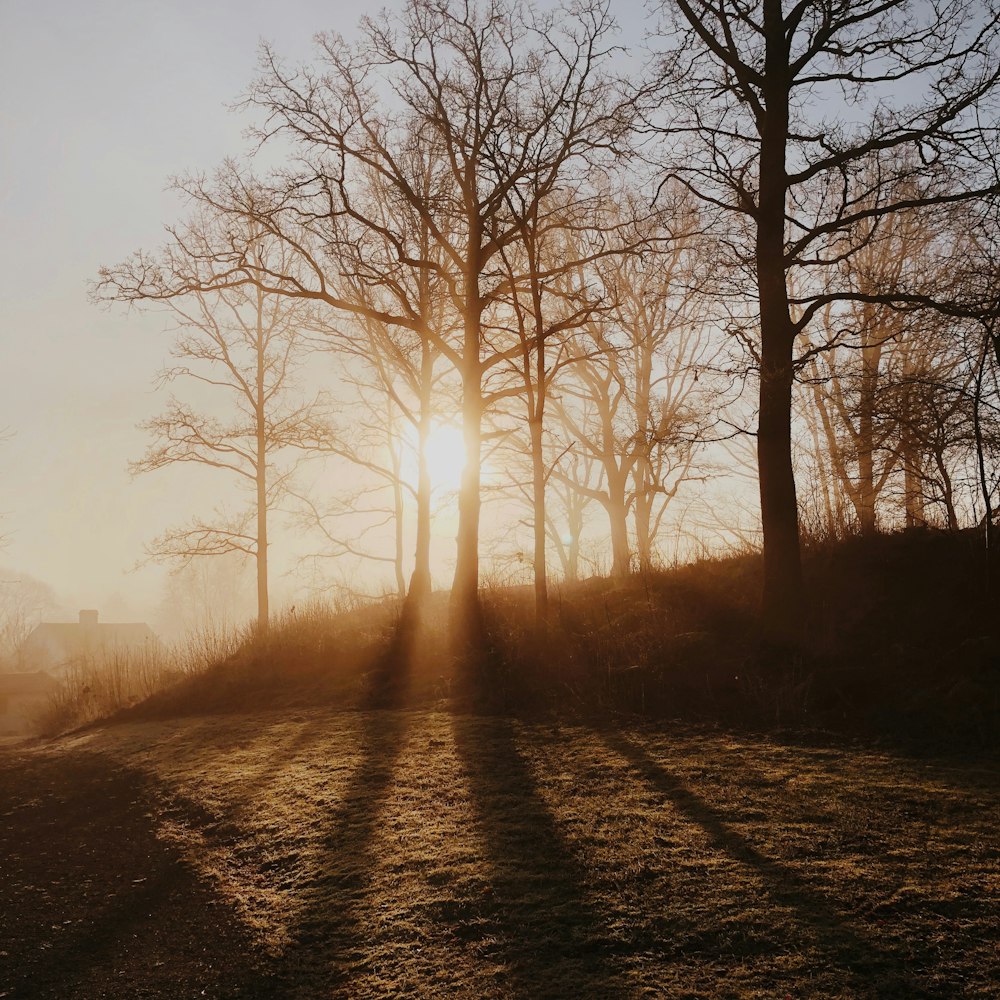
<point>898,640</point>
<point>97,685</point>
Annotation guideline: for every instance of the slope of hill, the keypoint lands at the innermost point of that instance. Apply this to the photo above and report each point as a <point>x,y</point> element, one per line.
<point>901,643</point>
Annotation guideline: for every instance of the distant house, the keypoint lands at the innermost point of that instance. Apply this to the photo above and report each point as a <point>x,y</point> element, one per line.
<point>53,646</point>
<point>21,694</point>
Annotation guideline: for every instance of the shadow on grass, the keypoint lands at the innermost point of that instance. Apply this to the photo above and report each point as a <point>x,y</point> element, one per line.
<point>873,970</point>
<point>384,685</point>
<point>549,933</point>
<point>94,904</point>
<point>330,936</point>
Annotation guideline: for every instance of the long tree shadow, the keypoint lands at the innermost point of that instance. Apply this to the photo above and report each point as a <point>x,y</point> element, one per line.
<point>874,970</point>
<point>550,934</point>
<point>385,686</point>
<point>93,903</point>
<point>330,936</point>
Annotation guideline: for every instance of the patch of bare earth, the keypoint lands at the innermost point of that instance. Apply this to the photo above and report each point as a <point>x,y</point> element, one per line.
<point>402,853</point>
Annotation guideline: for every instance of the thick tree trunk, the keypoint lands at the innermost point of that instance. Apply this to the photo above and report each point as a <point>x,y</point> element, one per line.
<point>420,581</point>
<point>466,614</point>
<point>621,555</point>
<point>783,602</point>
<point>538,503</point>
<point>866,485</point>
<point>643,519</point>
<point>465,611</point>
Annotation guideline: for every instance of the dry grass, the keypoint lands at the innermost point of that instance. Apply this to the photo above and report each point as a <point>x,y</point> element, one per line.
<point>368,837</point>
<point>98,685</point>
<point>898,644</point>
<point>416,853</point>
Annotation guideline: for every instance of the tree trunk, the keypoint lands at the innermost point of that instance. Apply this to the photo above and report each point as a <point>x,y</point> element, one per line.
<point>263,607</point>
<point>913,490</point>
<point>538,503</point>
<point>866,442</point>
<point>574,521</point>
<point>642,472</point>
<point>643,519</point>
<point>783,602</point>
<point>990,338</point>
<point>420,581</point>
<point>947,491</point>
<point>466,614</point>
<point>398,506</point>
<point>621,555</point>
<point>465,611</point>
<point>399,512</point>
<point>822,473</point>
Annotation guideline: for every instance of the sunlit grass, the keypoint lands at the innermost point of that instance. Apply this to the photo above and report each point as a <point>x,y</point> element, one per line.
<point>432,854</point>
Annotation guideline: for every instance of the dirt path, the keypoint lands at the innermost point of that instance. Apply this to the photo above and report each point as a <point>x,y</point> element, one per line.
<point>92,904</point>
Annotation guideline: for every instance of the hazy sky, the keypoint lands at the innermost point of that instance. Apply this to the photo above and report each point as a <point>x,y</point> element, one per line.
<point>100,103</point>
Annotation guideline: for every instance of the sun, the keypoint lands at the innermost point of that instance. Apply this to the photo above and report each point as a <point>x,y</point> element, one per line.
<point>445,458</point>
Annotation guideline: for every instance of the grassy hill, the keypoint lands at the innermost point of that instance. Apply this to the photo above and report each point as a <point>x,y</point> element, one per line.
<point>901,643</point>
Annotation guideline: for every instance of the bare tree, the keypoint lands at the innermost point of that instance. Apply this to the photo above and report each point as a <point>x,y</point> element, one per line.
<point>511,99</point>
<point>558,244</point>
<point>500,95</point>
<point>24,602</point>
<point>394,386</point>
<point>635,383</point>
<point>364,431</point>
<point>402,362</point>
<point>749,82</point>
<point>243,346</point>
<point>978,268</point>
<point>565,519</point>
<point>891,386</point>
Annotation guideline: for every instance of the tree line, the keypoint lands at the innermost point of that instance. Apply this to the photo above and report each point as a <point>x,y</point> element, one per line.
<point>780,228</point>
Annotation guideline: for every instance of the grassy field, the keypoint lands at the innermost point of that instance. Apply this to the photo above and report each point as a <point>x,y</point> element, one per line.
<point>423,853</point>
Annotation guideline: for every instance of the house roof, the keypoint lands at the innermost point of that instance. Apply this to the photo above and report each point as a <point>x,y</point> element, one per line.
<point>53,643</point>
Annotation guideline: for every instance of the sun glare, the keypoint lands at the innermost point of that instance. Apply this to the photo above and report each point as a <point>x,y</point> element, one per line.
<point>445,458</point>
